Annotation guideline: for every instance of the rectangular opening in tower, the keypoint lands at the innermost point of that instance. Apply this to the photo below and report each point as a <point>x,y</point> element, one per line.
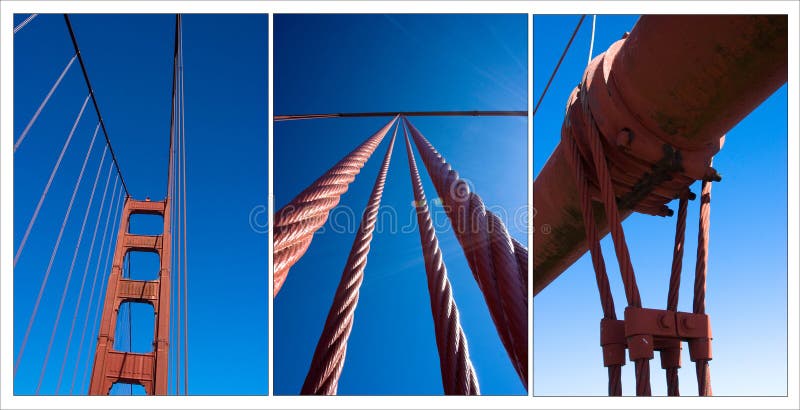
<point>127,389</point>
<point>146,224</point>
<point>141,265</point>
<point>135,330</point>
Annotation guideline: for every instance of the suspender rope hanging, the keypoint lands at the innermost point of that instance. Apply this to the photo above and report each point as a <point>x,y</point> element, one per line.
<point>671,356</point>
<point>294,224</point>
<point>643,331</point>
<point>609,199</point>
<point>613,350</point>
<point>700,348</point>
<point>44,102</point>
<point>328,360</point>
<point>493,256</point>
<point>458,375</point>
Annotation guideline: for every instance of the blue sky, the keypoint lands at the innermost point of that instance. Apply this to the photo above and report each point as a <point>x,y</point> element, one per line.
<point>129,59</point>
<point>357,63</point>
<point>746,295</point>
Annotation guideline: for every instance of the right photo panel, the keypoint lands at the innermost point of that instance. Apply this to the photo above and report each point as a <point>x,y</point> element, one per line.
<point>660,205</point>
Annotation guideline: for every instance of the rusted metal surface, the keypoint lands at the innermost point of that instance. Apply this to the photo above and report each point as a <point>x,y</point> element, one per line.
<point>147,369</point>
<point>458,374</point>
<point>494,258</point>
<point>294,224</point>
<point>328,361</point>
<point>662,98</point>
<point>700,347</point>
<point>613,349</point>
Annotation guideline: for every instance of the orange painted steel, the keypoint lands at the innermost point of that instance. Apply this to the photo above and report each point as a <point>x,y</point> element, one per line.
<point>700,347</point>
<point>328,360</point>
<point>671,357</point>
<point>458,374</point>
<point>294,224</point>
<point>662,98</point>
<point>498,262</point>
<point>147,369</point>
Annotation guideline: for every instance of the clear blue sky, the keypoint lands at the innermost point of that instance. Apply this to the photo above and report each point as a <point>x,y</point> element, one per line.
<point>746,297</point>
<point>356,63</point>
<point>129,59</point>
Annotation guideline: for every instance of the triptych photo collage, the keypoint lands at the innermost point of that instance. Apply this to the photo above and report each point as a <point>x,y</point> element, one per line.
<point>548,203</point>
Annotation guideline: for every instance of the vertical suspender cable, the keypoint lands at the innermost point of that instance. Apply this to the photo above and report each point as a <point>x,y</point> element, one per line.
<point>612,361</point>
<point>172,191</point>
<point>458,374</point>
<point>185,236</point>
<point>44,102</point>
<point>25,22</point>
<point>673,354</point>
<point>111,202</point>
<point>109,263</point>
<point>591,42</point>
<point>701,271</point>
<point>294,224</point>
<point>83,279</point>
<point>49,182</point>
<point>617,233</point>
<point>30,225</point>
<point>328,360</point>
<point>491,253</point>
<point>50,266</point>
<point>74,259</point>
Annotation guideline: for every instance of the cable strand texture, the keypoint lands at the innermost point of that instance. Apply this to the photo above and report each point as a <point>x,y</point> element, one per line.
<point>491,253</point>
<point>328,360</point>
<point>458,374</point>
<point>294,224</point>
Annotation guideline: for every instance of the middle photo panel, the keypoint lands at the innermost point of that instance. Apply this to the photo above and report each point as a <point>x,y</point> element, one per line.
<point>400,257</point>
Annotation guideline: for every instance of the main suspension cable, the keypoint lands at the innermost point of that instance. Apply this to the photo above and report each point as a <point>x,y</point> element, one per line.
<point>94,101</point>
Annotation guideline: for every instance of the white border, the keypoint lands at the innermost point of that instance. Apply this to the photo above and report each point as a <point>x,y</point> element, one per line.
<point>8,7</point>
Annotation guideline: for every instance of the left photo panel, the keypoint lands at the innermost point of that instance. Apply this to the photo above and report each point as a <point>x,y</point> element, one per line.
<point>140,170</point>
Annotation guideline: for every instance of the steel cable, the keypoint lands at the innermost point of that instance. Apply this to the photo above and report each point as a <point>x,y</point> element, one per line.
<point>86,265</point>
<point>294,224</point>
<point>25,22</point>
<point>458,374</point>
<point>94,281</point>
<point>673,384</point>
<point>49,183</point>
<point>109,263</point>
<point>609,201</point>
<point>701,271</point>
<point>490,253</point>
<point>328,360</point>
<point>74,259</point>
<point>561,59</point>
<point>58,240</point>
<point>596,252</point>
<point>44,102</point>
<point>74,255</point>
